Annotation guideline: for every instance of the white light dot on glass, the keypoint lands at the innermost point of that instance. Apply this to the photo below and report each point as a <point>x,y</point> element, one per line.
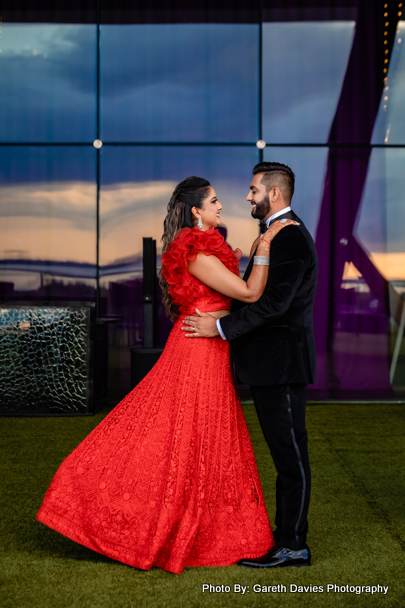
<point>97,143</point>
<point>261,144</point>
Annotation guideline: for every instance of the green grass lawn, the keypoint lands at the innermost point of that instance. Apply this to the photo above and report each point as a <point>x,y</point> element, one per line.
<point>357,523</point>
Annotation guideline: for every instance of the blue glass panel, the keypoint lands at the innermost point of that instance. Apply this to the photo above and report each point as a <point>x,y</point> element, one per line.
<point>48,222</point>
<point>179,82</point>
<point>390,124</point>
<point>48,83</point>
<point>309,166</point>
<point>303,70</point>
<point>137,183</point>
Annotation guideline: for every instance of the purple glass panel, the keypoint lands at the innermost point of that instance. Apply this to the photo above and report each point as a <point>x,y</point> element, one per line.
<point>379,230</point>
<point>352,308</point>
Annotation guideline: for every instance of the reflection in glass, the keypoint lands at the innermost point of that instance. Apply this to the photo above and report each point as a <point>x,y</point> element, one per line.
<point>309,166</point>
<point>304,65</point>
<point>179,82</point>
<point>379,230</point>
<point>381,219</point>
<point>48,222</point>
<point>137,183</point>
<point>360,346</point>
<point>48,83</point>
<point>390,123</point>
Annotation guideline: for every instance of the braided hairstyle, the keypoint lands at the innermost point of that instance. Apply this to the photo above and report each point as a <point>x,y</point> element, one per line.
<point>190,193</point>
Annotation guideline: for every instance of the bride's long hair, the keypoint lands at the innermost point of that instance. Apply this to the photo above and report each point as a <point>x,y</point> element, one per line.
<point>190,193</point>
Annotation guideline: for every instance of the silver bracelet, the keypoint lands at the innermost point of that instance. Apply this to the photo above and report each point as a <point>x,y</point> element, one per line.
<point>261,260</point>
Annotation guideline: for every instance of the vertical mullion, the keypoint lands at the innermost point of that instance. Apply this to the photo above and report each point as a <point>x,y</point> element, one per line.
<point>98,164</point>
<point>260,21</point>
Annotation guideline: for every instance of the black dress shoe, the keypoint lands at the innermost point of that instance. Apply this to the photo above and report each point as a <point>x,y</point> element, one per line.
<point>279,557</point>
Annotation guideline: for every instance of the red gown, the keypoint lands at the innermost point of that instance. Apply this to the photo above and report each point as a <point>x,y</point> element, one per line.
<point>169,477</point>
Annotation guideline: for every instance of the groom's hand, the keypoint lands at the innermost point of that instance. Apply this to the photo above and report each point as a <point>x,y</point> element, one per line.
<point>202,325</point>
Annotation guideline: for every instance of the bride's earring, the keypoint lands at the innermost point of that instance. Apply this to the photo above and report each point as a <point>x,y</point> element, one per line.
<point>199,223</point>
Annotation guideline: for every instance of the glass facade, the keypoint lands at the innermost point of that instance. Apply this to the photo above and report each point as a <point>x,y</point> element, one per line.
<point>179,82</point>
<point>48,222</point>
<point>192,97</point>
<point>379,232</point>
<point>137,183</point>
<point>390,124</point>
<point>309,165</point>
<point>48,83</point>
<point>304,64</point>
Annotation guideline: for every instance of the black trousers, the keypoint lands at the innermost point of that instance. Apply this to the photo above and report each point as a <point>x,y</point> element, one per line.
<point>281,412</point>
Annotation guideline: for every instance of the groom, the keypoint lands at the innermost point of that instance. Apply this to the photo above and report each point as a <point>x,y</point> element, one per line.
<point>272,343</point>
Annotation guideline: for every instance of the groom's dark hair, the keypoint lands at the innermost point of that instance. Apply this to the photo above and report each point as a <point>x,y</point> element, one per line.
<point>277,175</point>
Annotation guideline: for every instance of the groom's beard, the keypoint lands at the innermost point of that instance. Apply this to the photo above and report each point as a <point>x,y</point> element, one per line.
<point>262,208</point>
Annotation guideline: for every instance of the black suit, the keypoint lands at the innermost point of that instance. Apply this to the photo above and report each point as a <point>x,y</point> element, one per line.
<point>273,348</point>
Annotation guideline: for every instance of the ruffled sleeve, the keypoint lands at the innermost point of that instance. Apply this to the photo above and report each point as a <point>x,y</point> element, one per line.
<point>188,242</point>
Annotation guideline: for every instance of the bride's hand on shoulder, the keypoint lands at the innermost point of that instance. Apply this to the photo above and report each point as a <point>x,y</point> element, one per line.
<point>275,228</point>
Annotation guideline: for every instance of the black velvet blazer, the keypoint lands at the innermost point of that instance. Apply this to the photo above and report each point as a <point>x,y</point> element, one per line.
<point>272,340</point>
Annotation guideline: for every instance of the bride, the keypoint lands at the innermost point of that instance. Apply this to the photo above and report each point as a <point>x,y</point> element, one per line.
<point>169,477</point>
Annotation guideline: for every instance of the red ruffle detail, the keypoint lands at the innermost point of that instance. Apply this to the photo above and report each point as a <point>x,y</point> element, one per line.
<point>188,242</point>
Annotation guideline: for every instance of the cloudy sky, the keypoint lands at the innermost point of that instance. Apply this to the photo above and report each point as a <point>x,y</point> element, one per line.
<point>304,65</point>
<point>48,75</point>
<point>178,83</point>
<point>184,82</point>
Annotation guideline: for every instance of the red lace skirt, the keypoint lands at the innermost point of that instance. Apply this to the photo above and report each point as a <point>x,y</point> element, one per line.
<point>169,477</point>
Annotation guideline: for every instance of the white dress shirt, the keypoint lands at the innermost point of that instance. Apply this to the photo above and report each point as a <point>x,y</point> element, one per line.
<point>272,217</point>
<point>276,215</point>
